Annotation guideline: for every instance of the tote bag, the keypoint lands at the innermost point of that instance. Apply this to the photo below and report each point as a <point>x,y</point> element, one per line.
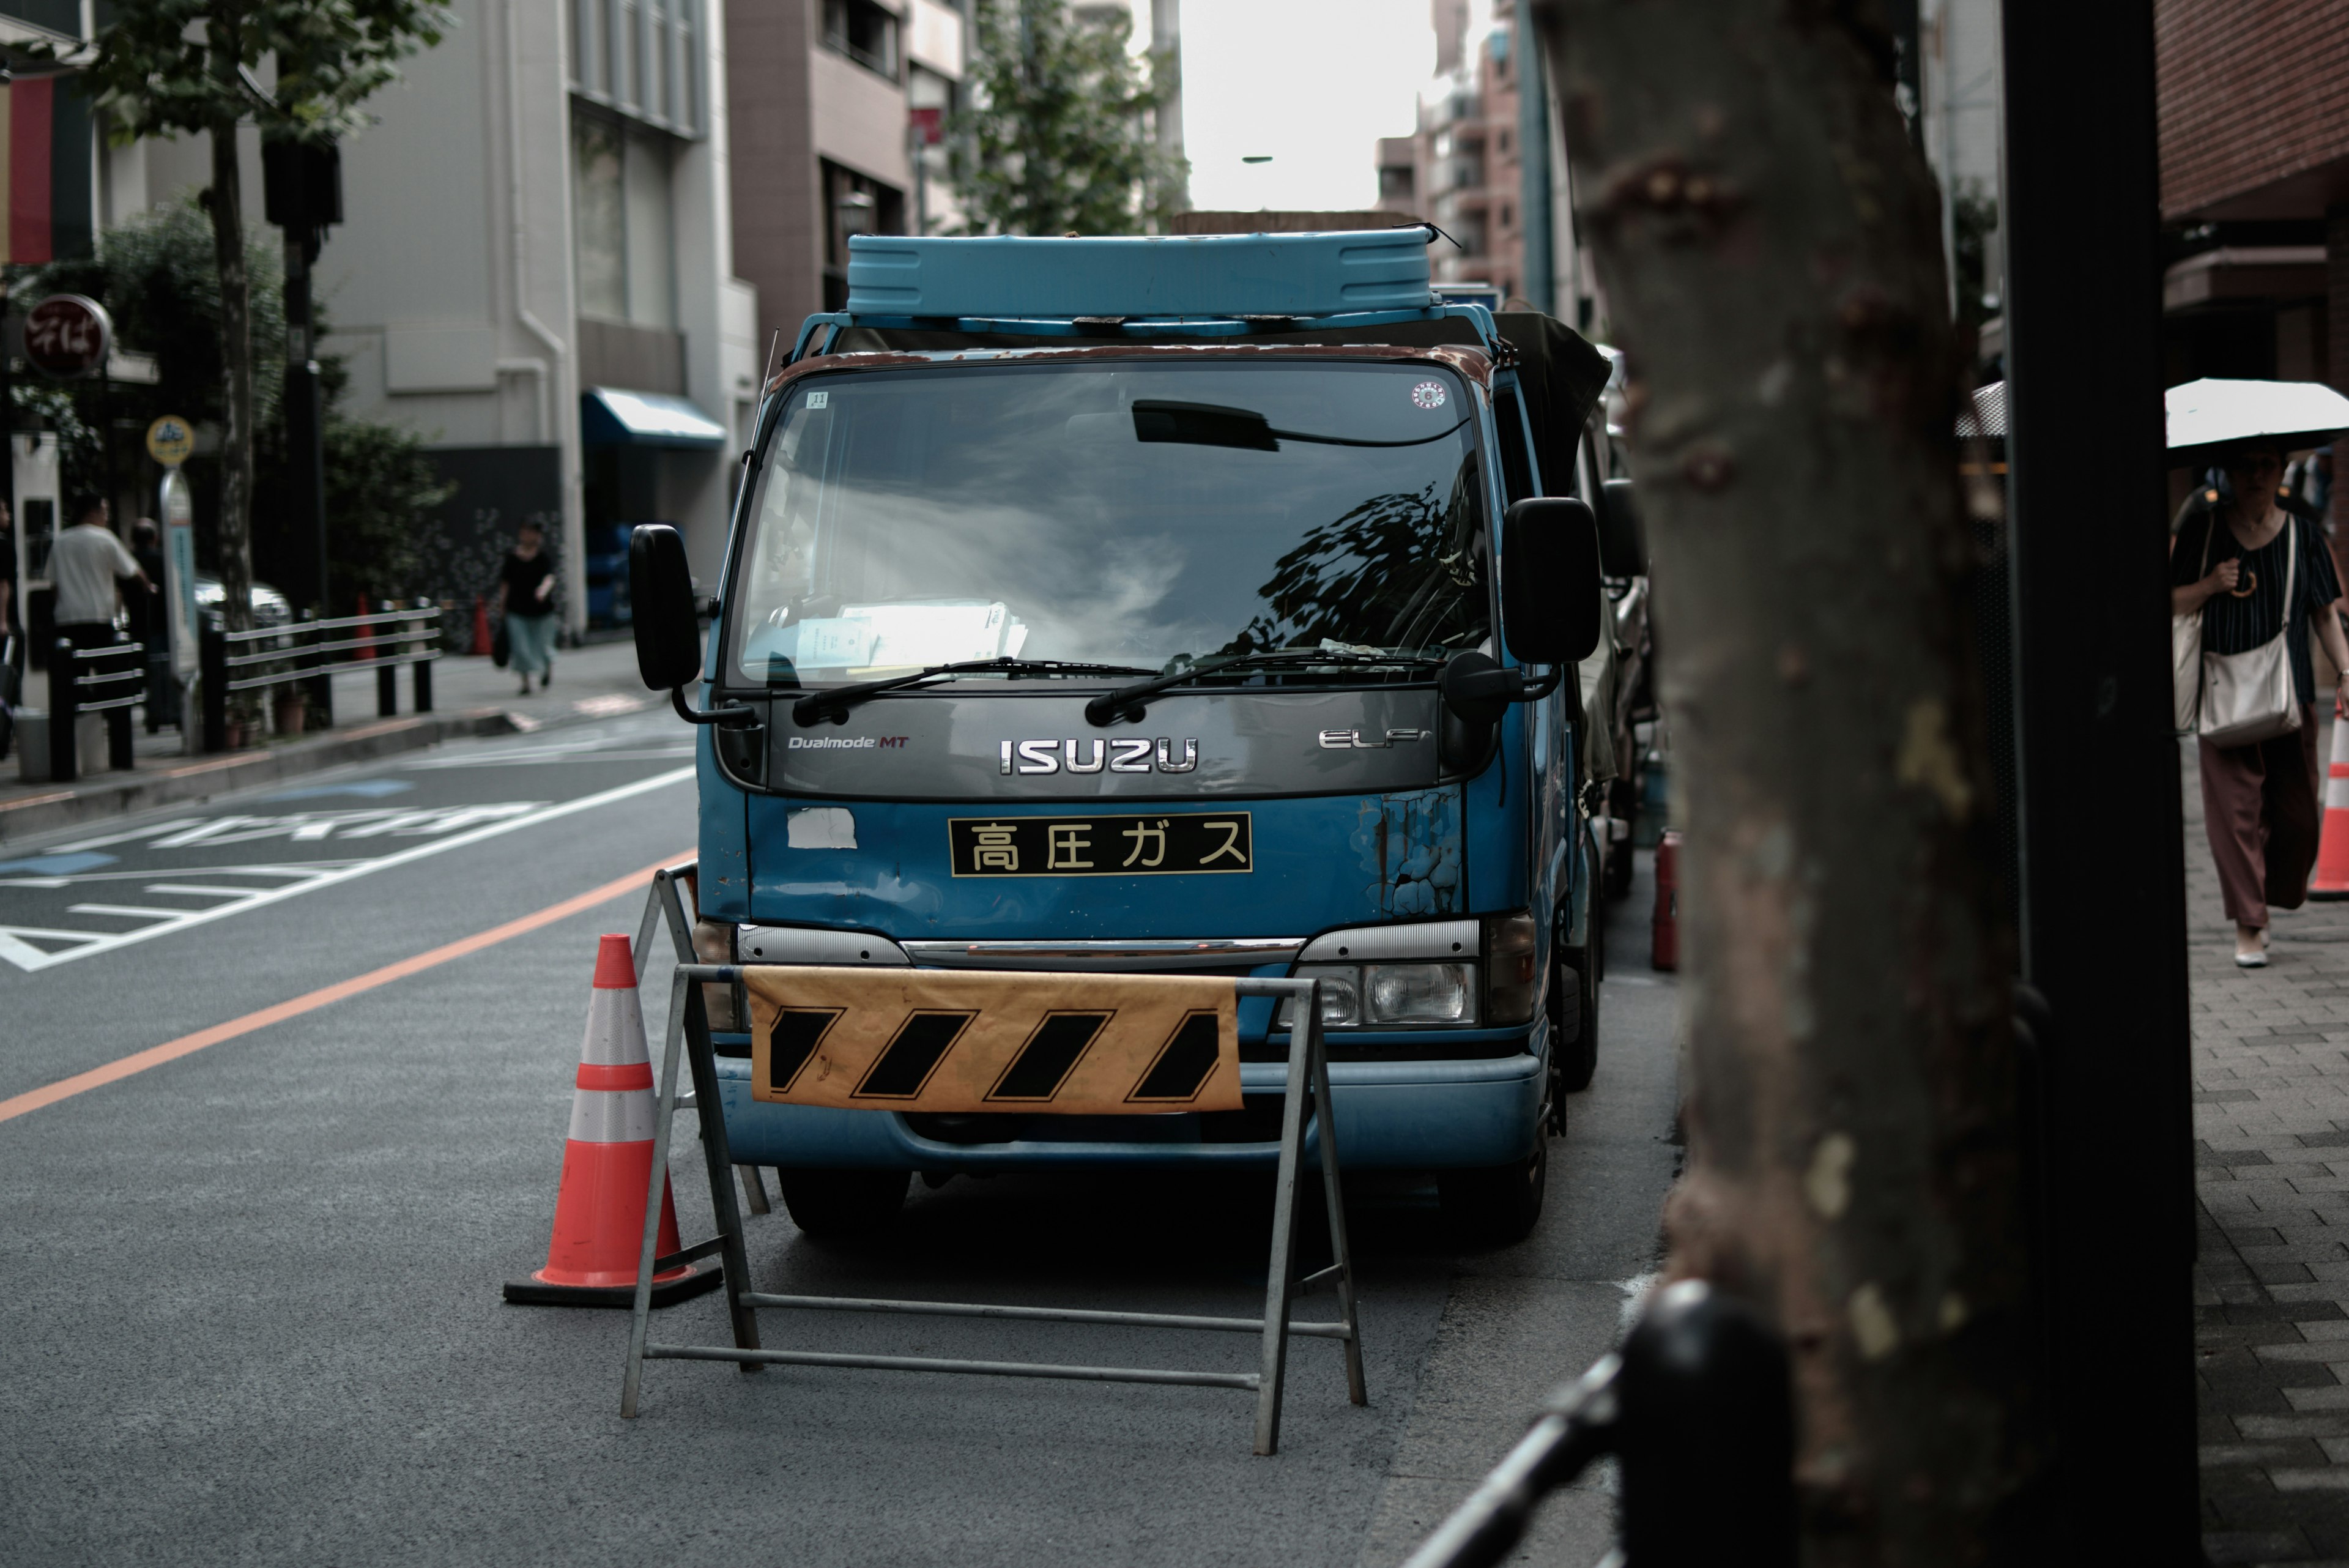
<point>2247,698</point>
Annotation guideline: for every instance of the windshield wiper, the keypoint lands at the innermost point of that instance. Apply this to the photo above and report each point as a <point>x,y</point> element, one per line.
<point>818,706</point>
<point>1215,424</point>
<point>1132,702</point>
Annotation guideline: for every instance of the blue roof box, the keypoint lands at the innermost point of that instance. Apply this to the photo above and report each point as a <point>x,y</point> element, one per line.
<point>1152,275</point>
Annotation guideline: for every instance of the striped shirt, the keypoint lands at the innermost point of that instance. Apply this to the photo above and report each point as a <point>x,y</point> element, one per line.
<point>2232,625</point>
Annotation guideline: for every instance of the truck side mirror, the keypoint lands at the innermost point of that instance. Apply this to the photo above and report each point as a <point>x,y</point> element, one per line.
<point>660,593</point>
<point>1550,579</point>
<point>1623,540</point>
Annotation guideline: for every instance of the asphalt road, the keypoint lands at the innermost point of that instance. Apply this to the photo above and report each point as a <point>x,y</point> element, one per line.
<point>253,1291</point>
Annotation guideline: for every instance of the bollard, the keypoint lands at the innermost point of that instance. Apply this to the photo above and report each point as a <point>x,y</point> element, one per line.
<point>423,669</point>
<point>1664,945</point>
<point>65,757</point>
<point>386,689</point>
<point>481,648</point>
<point>211,672</point>
<point>1706,1435</point>
<point>118,754</point>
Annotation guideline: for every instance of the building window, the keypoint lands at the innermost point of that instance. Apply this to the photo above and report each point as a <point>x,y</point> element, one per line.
<point>864,32</point>
<point>640,60</point>
<point>621,212</point>
<point>1395,181</point>
<point>1508,216</point>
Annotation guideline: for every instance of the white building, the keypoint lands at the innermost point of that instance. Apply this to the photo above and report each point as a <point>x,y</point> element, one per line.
<point>535,273</point>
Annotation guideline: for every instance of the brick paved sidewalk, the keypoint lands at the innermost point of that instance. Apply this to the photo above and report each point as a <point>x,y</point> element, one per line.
<point>2271,1063</point>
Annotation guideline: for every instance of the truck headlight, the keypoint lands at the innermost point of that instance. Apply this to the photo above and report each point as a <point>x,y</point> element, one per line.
<point>1341,996</point>
<point>1512,969</point>
<point>1420,992</point>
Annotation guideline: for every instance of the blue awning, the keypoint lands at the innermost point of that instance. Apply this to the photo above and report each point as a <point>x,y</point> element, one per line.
<point>609,416</point>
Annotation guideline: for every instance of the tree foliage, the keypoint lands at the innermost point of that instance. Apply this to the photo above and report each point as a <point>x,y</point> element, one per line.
<point>1056,136</point>
<point>170,66</point>
<point>155,276</point>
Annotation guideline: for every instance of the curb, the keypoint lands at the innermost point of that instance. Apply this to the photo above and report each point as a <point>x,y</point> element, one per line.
<point>201,777</point>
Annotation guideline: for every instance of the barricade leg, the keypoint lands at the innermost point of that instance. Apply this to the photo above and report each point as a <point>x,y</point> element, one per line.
<point>387,692</point>
<point>1281,1271</point>
<point>718,1157</point>
<point>754,1188</point>
<point>118,739</point>
<point>1342,1250</point>
<point>423,682</point>
<point>687,1031</point>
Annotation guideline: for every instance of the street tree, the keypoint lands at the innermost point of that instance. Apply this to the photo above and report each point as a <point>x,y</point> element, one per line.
<point>1056,134</point>
<point>1768,240</point>
<point>189,66</point>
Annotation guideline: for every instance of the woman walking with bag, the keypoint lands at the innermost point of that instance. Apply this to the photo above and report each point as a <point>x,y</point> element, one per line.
<point>526,600</point>
<point>2256,578</point>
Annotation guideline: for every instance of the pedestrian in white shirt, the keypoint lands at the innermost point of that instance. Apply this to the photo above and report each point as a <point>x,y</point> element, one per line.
<point>86,563</point>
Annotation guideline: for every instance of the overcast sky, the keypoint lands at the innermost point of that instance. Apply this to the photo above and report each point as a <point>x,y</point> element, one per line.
<point>1315,83</point>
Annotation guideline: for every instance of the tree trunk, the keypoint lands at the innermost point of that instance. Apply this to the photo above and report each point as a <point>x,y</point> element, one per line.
<point>227,208</point>
<point>1769,244</point>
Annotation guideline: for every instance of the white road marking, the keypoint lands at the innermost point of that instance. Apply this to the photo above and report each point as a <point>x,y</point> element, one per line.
<point>194,891</point>
<point>136,911</point>
<point>18,950</point>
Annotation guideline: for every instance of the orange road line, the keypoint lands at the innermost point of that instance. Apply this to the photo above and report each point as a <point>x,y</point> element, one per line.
<point>188,1045</point>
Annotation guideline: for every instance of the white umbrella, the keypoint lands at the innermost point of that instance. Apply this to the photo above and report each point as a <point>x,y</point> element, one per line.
<point>2212,412</point>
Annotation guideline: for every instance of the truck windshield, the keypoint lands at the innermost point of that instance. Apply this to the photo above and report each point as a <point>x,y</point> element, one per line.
<point>908,518</point>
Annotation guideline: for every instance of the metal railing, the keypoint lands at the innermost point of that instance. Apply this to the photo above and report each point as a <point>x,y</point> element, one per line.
<point>1698,1409</point>
<point>86,680</point>
<point>311,652</point>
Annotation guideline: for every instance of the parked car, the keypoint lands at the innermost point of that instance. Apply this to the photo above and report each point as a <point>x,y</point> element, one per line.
<point>270,608</point>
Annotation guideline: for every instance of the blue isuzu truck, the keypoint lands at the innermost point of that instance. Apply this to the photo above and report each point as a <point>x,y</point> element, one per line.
<point>1185,605</point>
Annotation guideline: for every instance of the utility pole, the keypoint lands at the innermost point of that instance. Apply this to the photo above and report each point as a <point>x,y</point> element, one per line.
<point>1535,219</point>
<point>2104,905</point>
<point>1166,44</point>
<point>303,194</point>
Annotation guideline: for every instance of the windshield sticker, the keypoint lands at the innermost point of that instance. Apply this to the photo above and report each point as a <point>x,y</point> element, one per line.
<point>819,401</point>
<point>1429,394</point>
<point>1149,846</point>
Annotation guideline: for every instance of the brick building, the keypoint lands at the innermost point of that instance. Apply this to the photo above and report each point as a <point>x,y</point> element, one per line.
<point>1462,168</point>
<point>2255,135</point>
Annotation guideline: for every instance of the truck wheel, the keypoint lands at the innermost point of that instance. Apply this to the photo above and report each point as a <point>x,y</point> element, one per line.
<point>1578,1061</point>
<point>1497,1204</point>
<point>844,1205</point>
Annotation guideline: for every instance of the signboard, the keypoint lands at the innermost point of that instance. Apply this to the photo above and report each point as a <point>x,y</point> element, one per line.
<point>927,1040</point>
<point>176,508</point>
<point>68,335</point>
<point>170,440</point>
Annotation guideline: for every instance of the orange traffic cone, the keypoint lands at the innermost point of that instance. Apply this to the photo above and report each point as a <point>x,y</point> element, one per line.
<point>364,635</point>
<point>481,648</point>
<point>599,1211</point>
<point>2333,849</point>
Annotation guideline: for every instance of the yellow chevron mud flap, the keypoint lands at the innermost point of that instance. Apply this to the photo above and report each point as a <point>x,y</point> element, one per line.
<point>949,1040</point>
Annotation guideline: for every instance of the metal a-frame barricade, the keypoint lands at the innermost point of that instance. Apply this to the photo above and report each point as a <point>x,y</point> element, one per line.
<point>687,1035</point>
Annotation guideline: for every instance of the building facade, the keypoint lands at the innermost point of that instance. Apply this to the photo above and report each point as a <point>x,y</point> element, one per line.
<point>533,273</point>
<point>834,105</point>
<point>2254,145</point>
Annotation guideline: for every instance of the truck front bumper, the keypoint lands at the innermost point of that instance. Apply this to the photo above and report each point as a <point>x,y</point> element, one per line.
<point>1392,1116</point>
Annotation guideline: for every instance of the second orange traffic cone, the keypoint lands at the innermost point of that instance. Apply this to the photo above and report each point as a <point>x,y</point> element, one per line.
<point>608,1163</point>
<point>2331,879</point>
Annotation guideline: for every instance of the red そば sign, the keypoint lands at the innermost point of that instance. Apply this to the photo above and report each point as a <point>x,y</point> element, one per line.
<point>68,335</point>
